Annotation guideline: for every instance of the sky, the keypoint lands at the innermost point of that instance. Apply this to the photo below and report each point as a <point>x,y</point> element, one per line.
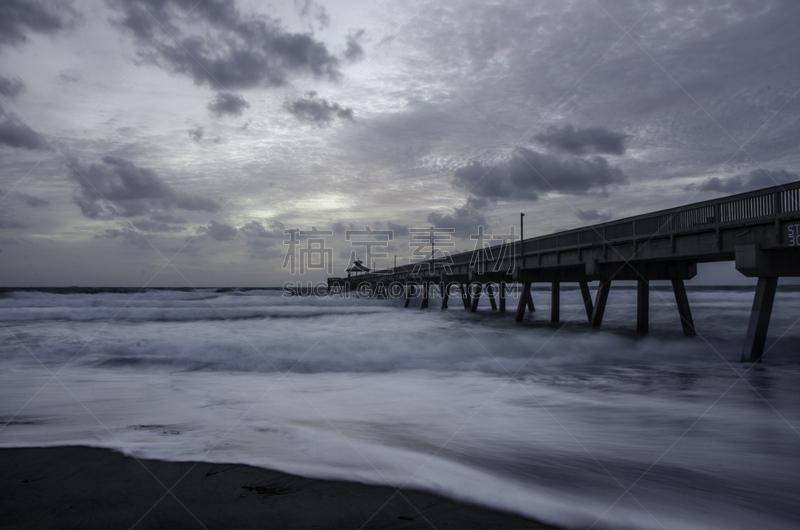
<point>183,142</point>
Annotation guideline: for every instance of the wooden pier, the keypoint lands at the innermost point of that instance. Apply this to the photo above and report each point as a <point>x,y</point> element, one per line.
<point>759,231</point>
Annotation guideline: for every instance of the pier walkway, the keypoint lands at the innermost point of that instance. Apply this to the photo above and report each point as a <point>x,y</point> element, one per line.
<point>758,230</point>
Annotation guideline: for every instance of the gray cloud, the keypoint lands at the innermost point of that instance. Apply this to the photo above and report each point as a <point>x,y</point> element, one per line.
<point>165,217</point>
<point>196,134</point>
<point>399,230</point>
<point>15,241</point>
<point>218,231</point>
<point>17,17</point>
<point>434,135</point>
<point>309,9</point>
<point>227,103</point>
<point>15,133</point>
<point>482,50</point>
<point>594,216</point>
<point>11,87</point>
<point>582,141</point>
<point>148,225</point>
<point>227,49</point>
<point>263,249</point>
<point>464,220</point>
<point>758,178</point>
<point>119,188</point>
<point>318,111</point>
<point>132,237</point>
<point>66,77</point>
<point>274,229</point>
<point>33,201</point>
<point>9,222</point>
<point>354,51</point>
<point>528,174</point>
<point>340,228</point>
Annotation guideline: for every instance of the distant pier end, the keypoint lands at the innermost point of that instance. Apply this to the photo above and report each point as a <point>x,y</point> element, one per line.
<point>758,230</point>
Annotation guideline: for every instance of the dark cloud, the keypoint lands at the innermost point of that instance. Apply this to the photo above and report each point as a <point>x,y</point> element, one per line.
<point>11,87</point>
<point>227,103</point>
<point>16,133</point>
<point>317,111</point>
<point>528,174</point>
<point>594,216</point>
<point>148,225</point>
<point>216,45</point>
<point>17,17</point>
<point>758,178</point>
<point>33,201</point>
<point>218,231</point>
<point>119,188</point>
<point>274,229</point>
<point>354,51</point>
<point>464,220</point>
<point>582,141</point>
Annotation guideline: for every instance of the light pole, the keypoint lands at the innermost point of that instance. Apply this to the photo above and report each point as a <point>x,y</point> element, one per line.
<point>521,238</point>
<point>433,238</point>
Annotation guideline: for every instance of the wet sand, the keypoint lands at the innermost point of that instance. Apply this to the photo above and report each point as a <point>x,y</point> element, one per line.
<point>82,487</point>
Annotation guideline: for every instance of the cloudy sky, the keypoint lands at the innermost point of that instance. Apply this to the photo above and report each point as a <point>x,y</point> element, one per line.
<point>171,142</point>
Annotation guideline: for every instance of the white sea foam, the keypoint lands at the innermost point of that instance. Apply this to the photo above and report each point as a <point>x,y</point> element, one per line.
<point>554,423</point>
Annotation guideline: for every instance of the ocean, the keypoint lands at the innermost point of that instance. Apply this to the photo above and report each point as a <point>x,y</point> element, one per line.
<point>570,426</point>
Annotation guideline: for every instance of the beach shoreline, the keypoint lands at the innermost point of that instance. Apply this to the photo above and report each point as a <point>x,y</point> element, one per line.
<point>86,487</point>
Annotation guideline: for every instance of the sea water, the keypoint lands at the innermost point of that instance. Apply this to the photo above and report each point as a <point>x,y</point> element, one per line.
<point>580,428</point>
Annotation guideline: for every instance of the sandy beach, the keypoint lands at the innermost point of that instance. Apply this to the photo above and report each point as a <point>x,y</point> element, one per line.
<point>82,487</point>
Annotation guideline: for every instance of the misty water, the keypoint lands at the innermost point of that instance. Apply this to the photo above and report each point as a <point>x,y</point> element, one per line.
<point>570,426</point>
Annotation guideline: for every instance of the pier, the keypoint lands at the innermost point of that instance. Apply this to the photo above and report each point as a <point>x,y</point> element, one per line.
<point>758,230</point>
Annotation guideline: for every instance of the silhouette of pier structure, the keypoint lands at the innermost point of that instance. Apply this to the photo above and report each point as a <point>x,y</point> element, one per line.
<point>758,230</point>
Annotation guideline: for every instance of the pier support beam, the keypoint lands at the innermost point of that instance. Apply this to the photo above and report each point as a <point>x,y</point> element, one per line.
<point>683,308</point>
<point>642,306</point>
<point>600,303</point>
<point>555,302</point>
<point>476,297</point>
<point>502,296</point>
<point>426,286</point>
<point>465,295</point>
<point>525,300</point>
<point>759,319</point>
<point>587,299</point>
<point>490,294</point>
<point>410,292</point>
<point>445,294</point>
